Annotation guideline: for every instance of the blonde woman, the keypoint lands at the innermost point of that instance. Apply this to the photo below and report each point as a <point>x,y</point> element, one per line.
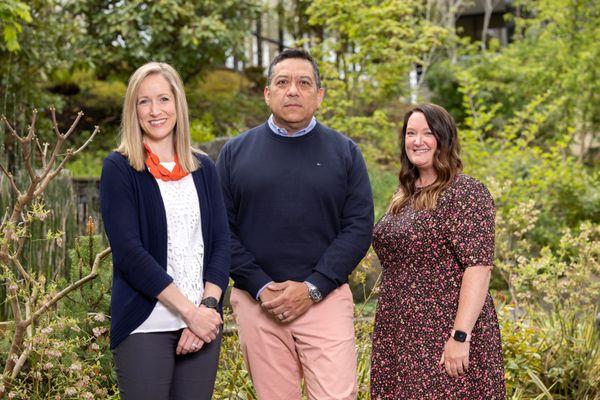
<point>164,216</point>
<point>436,332</point>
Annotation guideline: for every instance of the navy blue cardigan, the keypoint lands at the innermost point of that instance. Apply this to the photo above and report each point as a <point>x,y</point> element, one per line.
<point>136,226</point>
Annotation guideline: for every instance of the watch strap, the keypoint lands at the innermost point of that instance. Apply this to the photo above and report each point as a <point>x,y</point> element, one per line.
<point>313,292</point>
<point>210,302</point>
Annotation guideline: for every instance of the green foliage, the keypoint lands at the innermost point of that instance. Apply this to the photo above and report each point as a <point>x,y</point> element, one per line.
<point>547,241</point>
<point>12,15</point>
<point>94,296</point>
<point>109,40</point>
<point>383,183</point>
<point>564,279</point>
<point>51,39</point>
<point>441,80</point>
<point>189,35</point>
<point>525,113</point>
<point>67,361</point>
<point>53,224</point>
<point>554,54</point>
<point>87,165</point>
<point>364,331</point>
<point>203,129</point>
<point>96,94</point>
<point>233,380</point>
<point>521,170</point>
<point>522,345</point>
<point>224,104</point>
<point>555,354</point>
<point>375,45</point>
<point>572,361</point>
<point>69,348</point>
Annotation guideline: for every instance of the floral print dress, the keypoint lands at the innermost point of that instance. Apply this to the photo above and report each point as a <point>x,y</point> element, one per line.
<point>424,254</point>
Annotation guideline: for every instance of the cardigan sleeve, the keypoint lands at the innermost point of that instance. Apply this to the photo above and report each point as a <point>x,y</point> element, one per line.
<point>217,267</point>
<point>119,209</point>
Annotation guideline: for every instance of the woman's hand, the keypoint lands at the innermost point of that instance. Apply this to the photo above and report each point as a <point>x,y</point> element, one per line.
<point>204,322</point>
<point>455,357</point>
<point>188,342</point>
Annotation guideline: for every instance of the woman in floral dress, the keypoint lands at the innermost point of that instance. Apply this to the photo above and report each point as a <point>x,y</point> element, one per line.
<point>436,331</point>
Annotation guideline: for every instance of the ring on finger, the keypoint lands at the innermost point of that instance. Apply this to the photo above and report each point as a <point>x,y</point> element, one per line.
<point>194,346</point>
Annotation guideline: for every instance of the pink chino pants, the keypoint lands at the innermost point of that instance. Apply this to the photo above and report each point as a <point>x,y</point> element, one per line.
<point>319,347</point>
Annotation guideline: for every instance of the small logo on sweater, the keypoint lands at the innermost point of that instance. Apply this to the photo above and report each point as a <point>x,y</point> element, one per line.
<point>319,164</point>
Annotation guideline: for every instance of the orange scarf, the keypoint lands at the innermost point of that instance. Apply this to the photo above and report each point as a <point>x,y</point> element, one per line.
<point>160,172</point>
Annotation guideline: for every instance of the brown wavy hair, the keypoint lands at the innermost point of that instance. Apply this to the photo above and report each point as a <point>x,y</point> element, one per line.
<point>446,161</point>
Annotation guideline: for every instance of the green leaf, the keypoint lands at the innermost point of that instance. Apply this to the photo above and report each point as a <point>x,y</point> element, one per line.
<point>10,37</point>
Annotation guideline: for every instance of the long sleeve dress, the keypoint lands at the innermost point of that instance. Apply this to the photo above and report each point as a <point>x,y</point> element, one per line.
<point>424,254</point>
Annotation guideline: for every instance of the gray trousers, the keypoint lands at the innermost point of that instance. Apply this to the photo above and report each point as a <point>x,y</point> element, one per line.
<point>148,368</point>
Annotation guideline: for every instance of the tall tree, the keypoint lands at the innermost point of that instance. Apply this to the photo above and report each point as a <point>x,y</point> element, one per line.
<point>368,51</point>
<point>554,55</point>
<point>191,35</point>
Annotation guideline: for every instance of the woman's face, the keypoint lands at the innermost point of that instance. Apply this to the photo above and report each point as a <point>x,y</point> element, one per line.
<point>155,106</point>
<point>420,143</point>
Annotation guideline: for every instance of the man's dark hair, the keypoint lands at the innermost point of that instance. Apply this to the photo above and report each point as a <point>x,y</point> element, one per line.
<point>294,53</point>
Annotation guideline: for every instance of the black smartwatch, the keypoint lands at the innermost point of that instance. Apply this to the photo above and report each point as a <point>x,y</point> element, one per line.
<point>460,336</point>
<point>210,302</point>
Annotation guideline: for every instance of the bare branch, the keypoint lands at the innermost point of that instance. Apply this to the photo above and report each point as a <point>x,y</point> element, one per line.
<point>75,285</point>
<point>48,176</point>
<point>28,166</point>
<point>43,151</point>
<point>21,361</point>
<point>15,347</point>
<point>15,228</point>
<point>20,268</point>
<point>31,129</point>
<point>27,149</point>
<point>4,219</point>
<point>11,180</point>
<point>14,302</point>
<point>21,242</point>
<point>48,169</point>
<point>87,142</point>
<point>27,303</point>
<point>73,125</point>
<point>54,123</point>
<point>11,129</point>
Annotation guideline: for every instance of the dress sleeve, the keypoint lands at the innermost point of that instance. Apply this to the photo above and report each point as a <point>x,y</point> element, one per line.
<point>470,222</point>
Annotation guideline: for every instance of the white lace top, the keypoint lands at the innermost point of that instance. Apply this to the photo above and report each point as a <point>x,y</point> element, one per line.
<point>185,250</point>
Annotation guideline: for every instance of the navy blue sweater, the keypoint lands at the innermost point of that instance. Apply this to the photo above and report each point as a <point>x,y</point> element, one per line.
<point>136,226</point>
<point>300,208</point>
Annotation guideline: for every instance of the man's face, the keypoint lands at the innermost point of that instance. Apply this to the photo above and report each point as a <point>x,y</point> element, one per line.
<point>293,95</point>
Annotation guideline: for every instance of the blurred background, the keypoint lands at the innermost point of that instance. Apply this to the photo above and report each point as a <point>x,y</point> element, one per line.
<point>521,78</point>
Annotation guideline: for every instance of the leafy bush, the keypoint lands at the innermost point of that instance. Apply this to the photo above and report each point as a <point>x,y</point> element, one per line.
<point>203,129</point>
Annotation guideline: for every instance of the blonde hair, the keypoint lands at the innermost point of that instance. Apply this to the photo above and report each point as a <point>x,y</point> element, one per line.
<point>446,161</point>
<point>131,136</point>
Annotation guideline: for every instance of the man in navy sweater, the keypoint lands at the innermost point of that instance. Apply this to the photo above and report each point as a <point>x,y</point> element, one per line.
<point>301,215</point>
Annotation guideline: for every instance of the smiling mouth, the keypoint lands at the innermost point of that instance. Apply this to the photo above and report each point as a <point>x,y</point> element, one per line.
<point>292,105</point>
<point>420,151</point>
<point>157,122</point>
